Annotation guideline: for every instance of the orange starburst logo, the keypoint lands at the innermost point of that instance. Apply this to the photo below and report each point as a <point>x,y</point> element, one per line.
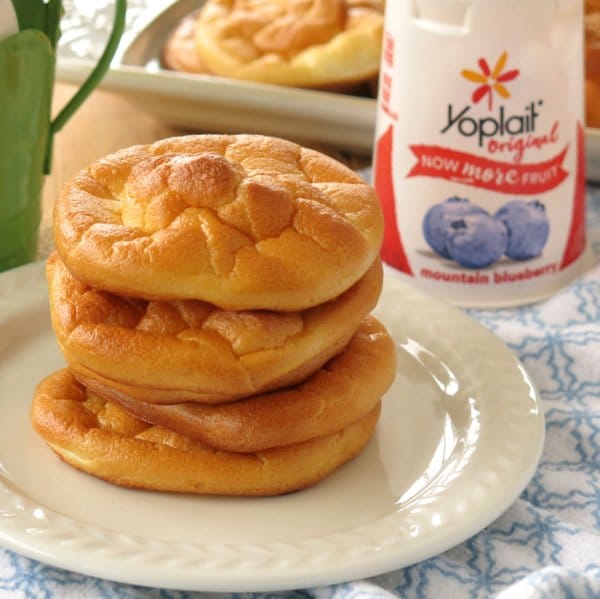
<point>490,81</point>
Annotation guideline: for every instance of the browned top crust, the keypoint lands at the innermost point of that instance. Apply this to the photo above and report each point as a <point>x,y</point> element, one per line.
<point>240,221</point>
<point>305,43</point>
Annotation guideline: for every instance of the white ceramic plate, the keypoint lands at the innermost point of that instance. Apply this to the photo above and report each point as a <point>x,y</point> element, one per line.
<point>459,438</point>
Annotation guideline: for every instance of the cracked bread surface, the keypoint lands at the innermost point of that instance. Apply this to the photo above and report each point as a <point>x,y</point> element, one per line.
<point>189,350</point>
<point>302,43</point>
<point>342,392</point>
<point>241,221</point>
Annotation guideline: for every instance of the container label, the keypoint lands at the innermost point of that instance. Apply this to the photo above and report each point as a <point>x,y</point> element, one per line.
<point>470,169</point>
<point>479,155</point>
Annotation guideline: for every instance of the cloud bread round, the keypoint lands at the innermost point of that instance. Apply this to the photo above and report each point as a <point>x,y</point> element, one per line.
<point>241,221</point>
<point>99,438</point>
<point>342,392</point>
<point>188,350</point>
<point>179,52</point>
<point>303,43</point>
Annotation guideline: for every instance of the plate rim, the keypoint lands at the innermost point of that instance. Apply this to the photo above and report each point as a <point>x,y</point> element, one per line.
<point>209,576</point>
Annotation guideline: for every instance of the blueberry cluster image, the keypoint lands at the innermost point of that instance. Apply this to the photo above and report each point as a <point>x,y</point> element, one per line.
<point>469,235</point>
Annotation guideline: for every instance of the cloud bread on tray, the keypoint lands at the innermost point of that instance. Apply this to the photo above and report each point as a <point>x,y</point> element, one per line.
<point>99,438</point>
<point>169,352</point>
<point>302,43</point>
<point>179,52</point>
<point>243,222</point>
<point>342,392</point>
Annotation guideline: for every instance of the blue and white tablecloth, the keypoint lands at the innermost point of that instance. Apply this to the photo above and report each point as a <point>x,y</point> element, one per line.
<point>546,545</point>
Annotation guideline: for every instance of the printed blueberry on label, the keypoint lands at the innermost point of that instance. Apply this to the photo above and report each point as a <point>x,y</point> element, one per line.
<point>437,221</point>
<point>477,240</point>
<point>528,228</point>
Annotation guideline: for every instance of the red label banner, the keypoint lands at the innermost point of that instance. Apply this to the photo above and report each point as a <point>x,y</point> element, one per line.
<point>505,177</point>
<point>392,249</point>
<point>577,238</point>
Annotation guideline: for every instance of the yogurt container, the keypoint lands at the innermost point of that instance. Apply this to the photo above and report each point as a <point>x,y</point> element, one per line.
<point>479,151</point>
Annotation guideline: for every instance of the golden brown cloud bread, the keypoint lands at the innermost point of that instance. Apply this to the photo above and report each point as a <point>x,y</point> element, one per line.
<point>99,438</point>
<point>243,222</point>
<point>341,393</point>
<point>179,52</point>
<point>591,6</point>
<point>303,43</point>
<point>592,63</point>
<point>169,352</point>
<point>592,106</point>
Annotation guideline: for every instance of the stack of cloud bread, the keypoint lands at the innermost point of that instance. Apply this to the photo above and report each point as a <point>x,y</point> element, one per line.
<point>331,44</point>
<point>211,295</point>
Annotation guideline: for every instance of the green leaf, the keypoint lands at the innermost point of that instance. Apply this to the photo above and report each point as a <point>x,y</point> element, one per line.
<point>54,12</point>
<point>26,79</point>
<point>31,14</point>
<point>40,15</point>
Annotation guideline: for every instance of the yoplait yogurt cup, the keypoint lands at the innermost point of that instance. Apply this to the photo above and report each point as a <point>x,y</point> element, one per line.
<point>479,149</point>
